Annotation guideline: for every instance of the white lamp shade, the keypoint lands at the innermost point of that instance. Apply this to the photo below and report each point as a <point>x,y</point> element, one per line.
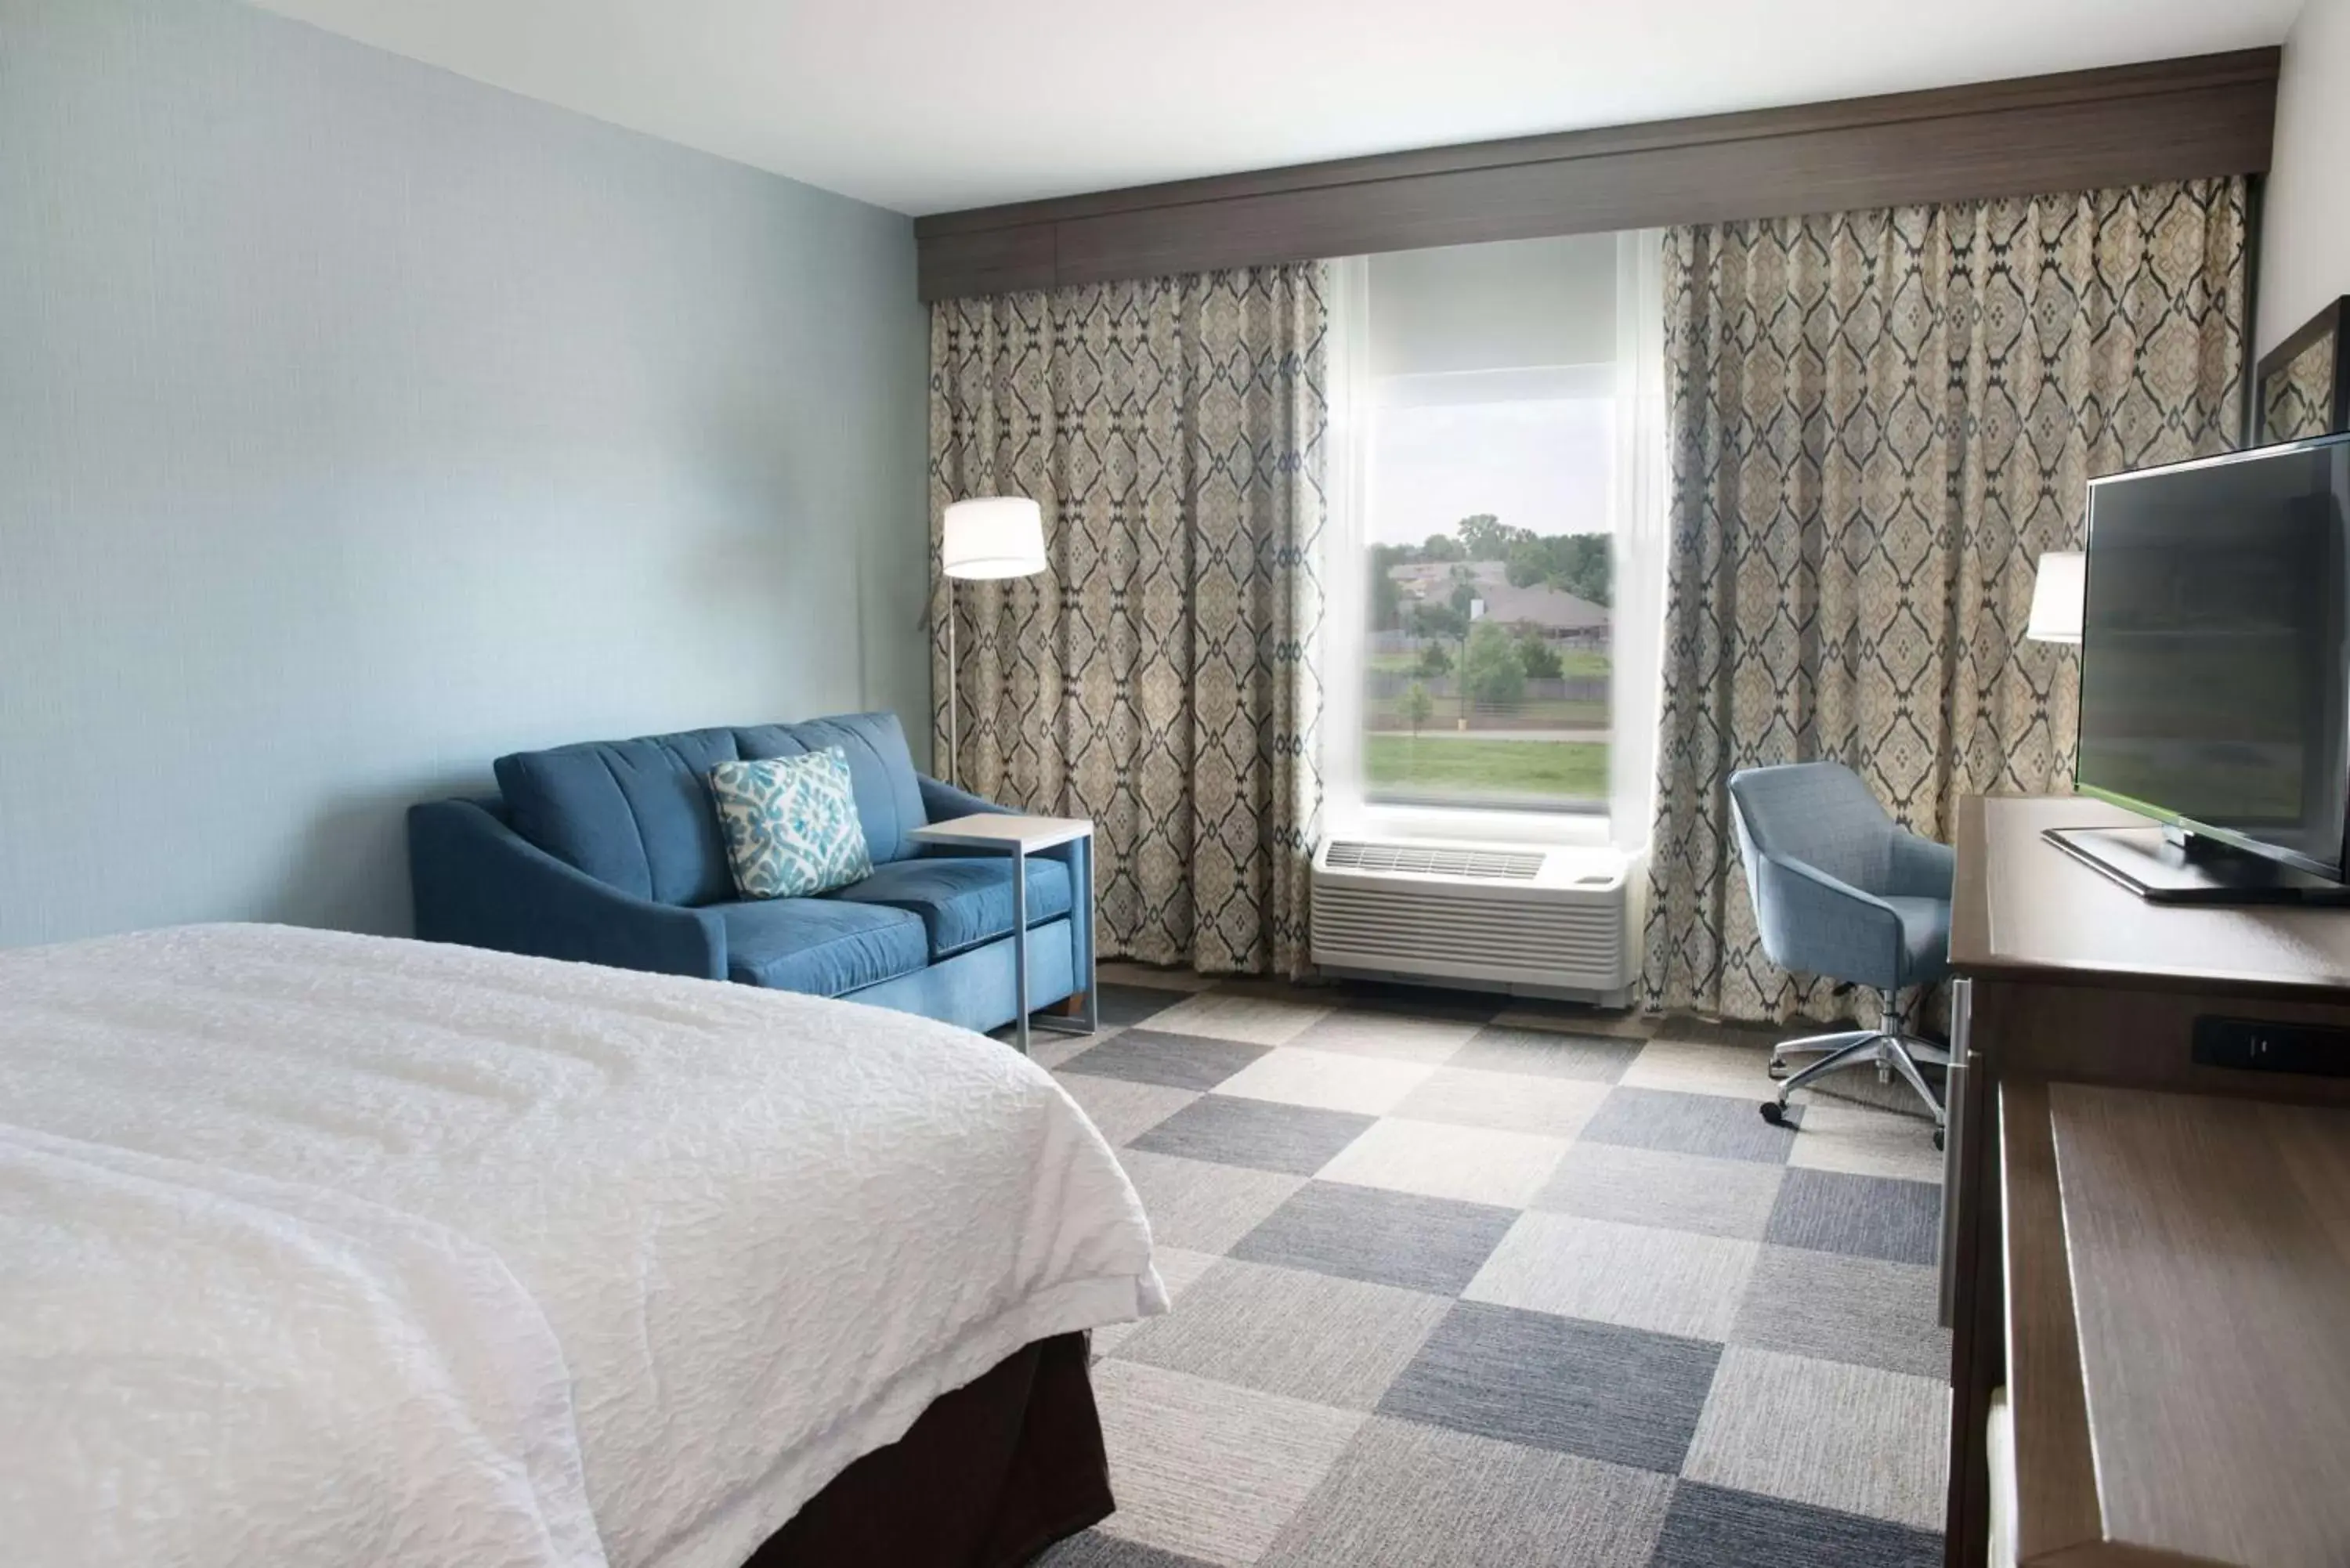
<point>997,537</point>
<point>2056,598</point>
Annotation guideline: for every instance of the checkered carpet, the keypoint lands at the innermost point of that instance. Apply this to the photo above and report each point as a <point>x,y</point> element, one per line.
<point>1460,1286</point>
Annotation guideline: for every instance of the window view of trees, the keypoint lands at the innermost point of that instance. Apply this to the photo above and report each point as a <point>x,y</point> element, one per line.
<point>1487,681</point>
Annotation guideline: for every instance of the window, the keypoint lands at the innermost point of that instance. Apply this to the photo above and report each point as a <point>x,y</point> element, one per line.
<point>1484,678</point>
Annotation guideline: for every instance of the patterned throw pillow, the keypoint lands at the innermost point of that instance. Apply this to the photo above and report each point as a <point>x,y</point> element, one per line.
<point>791,825</point>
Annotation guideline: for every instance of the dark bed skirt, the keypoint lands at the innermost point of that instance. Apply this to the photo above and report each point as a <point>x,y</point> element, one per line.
<point>988,1477</point>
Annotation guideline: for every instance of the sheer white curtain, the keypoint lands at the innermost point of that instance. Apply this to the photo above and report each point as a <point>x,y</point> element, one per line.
<point>1636,519</point>
<point>1639,496</point>
<point>1343,536</point>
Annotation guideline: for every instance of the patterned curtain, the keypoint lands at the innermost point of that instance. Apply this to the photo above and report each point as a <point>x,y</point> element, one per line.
<point>1162,679</point>
<point>1879,421</point>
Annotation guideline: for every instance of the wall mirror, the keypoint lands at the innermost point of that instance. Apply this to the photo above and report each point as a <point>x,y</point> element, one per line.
<point>2301,388</point>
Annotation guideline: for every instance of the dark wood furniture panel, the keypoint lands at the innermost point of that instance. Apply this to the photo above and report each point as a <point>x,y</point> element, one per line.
<point>2212,115</point>
<point>2209,1249</point>
<point>2055,1472</point>
<point>2078,1006</point>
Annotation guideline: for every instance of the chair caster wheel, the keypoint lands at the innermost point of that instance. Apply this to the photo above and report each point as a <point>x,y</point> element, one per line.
<point>1775,1113</point>
<point>1777,1070</point>
<point>1938,1137</point>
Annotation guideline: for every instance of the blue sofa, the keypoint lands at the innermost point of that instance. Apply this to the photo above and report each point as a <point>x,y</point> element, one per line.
<point>609,852</point>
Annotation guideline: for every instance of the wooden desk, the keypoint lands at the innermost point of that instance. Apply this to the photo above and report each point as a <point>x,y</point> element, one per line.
<point>2160,1281</point>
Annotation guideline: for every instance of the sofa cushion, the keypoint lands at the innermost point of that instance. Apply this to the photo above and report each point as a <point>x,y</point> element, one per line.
<point>821,946</point>
<point>963,901</point>
<point>790,824</point>
<point>635,815</point>
<point>880,769</point>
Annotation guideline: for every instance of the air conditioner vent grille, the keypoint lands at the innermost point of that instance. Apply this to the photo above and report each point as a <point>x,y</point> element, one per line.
<point>1522,918</point>
<point>1482,866</point>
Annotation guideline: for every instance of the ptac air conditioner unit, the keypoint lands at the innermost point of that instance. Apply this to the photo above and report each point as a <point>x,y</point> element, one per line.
<point>1527,921</point>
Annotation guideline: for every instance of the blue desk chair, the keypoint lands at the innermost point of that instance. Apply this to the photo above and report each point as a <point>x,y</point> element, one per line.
<point>1841,890</point>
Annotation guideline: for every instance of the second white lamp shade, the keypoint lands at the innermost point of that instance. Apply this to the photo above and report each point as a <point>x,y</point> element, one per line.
<point>994,537</point>
<point>2056,598</point>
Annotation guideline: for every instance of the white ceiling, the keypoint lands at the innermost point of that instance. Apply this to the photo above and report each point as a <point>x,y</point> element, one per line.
<point>929,105</point>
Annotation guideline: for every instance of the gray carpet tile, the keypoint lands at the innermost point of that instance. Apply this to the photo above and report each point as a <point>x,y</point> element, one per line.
<point>1620,1395</point>
<point>1437,1159</point>
<point>1120,1108</point>
<point>1419,1000</point>
<point>1689,1337</point>
<point>1690,1068</point>
<point>1052,1048</point>
<point>1668,1281</point>
<point>1839,1308</point>
<point>1506,1102</point>
<point>1406,1493</point>
<point>1261,1016</point>
<point>1311,1336</point>
<point>1400,1239</point>
<point>1863,1216</point>
<point>1356,1032</point>
<point>1176,1061</point>
<point>1298,1140</point>
<point>1710,1031</point>
<point>1180,1268</point>
<point>1711,1527</point>
<point>1868,1143</point>
<point>1729,1197</point>
<point>1120,1005</point>
<point>1296,1075</point>
<point>1202,1206</point>
<point>1093,1549</point>
<point>1576,1018</point>
<point>1853,1438</point>
<point>1207,1469</point>
<point>1710,1125</point>
<point>1547,1053</point>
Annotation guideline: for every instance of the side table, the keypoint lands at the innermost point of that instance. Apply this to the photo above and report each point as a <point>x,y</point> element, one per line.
<point>1022,837</point>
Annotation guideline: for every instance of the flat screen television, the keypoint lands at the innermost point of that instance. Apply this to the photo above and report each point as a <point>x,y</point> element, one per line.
<point>2214,664</point>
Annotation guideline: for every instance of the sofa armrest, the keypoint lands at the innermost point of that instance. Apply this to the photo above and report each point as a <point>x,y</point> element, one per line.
<point>945,803</point>
<point>480,884</point>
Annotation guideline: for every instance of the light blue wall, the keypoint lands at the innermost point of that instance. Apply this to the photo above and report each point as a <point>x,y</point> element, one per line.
<point>359,423</point>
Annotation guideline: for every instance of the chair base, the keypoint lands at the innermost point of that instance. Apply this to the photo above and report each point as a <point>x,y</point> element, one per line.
<point>1888,1046</point>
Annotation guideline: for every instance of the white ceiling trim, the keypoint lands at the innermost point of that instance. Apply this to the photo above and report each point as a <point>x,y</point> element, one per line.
<point>925,106</point>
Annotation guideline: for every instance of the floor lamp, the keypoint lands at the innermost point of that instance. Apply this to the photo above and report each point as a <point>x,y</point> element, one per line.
<point>2057,595</point>
<point>994,537</point>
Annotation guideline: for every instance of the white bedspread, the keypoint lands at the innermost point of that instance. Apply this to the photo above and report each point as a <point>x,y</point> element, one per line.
<point>211,1371</point>
<point>766,1229</point>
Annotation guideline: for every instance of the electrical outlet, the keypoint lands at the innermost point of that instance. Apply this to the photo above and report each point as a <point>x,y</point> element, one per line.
<point>2265,1045</point>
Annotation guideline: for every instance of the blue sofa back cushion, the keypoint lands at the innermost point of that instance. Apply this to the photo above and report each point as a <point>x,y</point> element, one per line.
<point>635,815</point>
<point>880,771</point>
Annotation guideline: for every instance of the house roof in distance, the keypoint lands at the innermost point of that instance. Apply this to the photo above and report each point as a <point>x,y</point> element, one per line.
<point>1546,608</point>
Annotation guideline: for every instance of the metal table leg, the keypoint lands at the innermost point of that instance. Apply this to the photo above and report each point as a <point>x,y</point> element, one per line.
<point>1081,915</point>
<point>1020,947</point>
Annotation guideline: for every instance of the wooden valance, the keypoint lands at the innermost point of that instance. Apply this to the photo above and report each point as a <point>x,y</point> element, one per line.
<point>2172,119</point>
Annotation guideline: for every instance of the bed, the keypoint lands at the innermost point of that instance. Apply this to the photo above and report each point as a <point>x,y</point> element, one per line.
<point>320,1248</point>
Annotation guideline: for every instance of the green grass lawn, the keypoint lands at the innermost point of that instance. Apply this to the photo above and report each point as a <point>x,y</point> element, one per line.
<point>1573,661</point>
<point>1447,764</point>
